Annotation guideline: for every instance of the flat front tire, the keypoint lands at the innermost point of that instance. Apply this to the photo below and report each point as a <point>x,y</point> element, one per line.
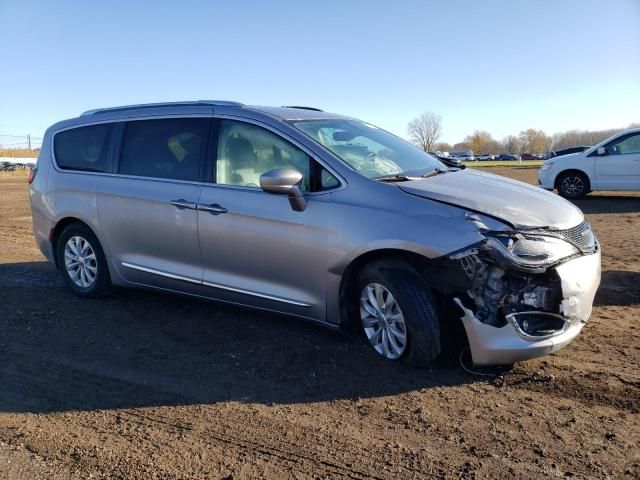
<point>397,314</point>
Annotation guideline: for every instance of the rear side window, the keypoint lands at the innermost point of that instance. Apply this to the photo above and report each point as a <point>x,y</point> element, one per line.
<point>167,148</point>
<point>83,148</point>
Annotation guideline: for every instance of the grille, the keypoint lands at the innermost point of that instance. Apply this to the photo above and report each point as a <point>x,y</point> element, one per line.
<point>580,235</point>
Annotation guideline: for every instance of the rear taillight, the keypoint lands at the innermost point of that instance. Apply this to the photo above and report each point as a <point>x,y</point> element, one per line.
<point>32,174</point>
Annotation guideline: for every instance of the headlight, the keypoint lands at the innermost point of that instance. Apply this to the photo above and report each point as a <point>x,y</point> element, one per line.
<point>531,253</point>
<point>547,166</point>
<point>543,249</point>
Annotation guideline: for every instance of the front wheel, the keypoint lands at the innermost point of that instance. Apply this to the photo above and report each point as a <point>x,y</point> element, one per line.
<point>397,313</point>
<point>573,185</point>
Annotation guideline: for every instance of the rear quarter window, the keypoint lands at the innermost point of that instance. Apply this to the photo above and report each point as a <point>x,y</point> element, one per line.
<point>83,148</point>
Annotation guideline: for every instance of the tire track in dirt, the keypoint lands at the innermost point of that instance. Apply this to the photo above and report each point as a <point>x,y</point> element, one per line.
<point>146,386</point>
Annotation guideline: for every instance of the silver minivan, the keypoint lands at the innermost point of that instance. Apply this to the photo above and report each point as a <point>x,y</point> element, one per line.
<point>313,215</point>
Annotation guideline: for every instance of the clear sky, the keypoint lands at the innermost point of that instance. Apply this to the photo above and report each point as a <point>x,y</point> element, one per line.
<point>497,65</point>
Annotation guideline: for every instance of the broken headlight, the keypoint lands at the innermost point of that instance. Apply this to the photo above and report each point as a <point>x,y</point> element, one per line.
<point>531,253</point>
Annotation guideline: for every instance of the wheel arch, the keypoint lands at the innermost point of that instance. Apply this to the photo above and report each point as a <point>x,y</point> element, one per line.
<point>353,269</point>
<point>59,228</point>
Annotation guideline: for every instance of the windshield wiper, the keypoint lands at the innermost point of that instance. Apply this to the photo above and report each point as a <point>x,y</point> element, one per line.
<point>401,177</point>
<point>394,178</point>
<point>434,172</point>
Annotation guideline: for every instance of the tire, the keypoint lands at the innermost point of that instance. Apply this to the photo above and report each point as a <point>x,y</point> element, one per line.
<point>415,305</point>
<point>92,274</point>
<point>573,185</point>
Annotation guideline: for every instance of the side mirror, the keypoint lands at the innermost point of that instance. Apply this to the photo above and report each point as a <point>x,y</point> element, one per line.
<point>601,152</point>
<point>285,181</point>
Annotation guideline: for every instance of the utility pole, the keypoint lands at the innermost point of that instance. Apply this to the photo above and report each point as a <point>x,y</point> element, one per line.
<point>29,141</point>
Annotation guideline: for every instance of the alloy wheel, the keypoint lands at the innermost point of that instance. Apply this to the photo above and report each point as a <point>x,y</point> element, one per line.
<point>572,186</point>
<point>80,262</point>
<point>383,321</point>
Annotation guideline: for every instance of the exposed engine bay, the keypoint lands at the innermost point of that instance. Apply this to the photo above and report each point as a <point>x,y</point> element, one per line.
<point>497,293</point>
<point>529,280</point>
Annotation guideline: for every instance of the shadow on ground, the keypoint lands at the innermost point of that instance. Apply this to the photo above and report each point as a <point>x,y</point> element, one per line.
<point>138,348</point>
<point>603,203</point>
<point>618,287</point>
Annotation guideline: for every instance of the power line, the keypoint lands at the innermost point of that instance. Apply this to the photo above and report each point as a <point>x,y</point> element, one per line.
<point>33,137</point>
<point>15,136</point>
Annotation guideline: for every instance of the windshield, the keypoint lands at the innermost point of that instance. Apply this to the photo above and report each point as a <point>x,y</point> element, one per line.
<point>368,149</point>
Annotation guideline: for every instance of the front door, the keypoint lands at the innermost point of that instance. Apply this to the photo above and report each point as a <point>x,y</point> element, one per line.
<point>256,249</point>
<point>619,168</point>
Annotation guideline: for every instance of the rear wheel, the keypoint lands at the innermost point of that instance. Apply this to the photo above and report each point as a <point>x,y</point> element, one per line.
<point>397,313</point>
<point>82,261</point>
<point>573,185</point>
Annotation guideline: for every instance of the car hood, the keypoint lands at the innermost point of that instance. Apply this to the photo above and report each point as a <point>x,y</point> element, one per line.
<point>523,206</point>
<point>567,156</point>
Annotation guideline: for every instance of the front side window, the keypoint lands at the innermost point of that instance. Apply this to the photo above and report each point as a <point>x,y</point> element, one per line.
<point>166,148</point>
<point>83,148</point>
<point>368,149</point>
<point>246,151</point>
<point>626,145</point>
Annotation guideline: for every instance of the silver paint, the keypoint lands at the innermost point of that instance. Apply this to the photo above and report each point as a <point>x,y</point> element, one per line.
<point>246,246</point>
<point>491,345</point>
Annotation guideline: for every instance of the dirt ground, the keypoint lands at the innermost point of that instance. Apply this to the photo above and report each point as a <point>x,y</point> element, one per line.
<point>143,385</point>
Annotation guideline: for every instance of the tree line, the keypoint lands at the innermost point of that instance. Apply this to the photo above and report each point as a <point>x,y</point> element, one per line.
<point>19,152</point>
<point>425,131</point>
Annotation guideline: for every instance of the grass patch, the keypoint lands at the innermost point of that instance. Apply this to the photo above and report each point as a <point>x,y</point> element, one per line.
<point>506,163</point>
<point>15,173</point>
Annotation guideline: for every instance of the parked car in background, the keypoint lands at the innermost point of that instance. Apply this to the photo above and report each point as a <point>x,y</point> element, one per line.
<point>438,153</point>
<point>315,215</point>
<point>7,167</point>
<point>508,156</point>
<point>451,161</point>
<point>485,156</point>
<point>613,164</point>
<point>464,155</point>
<point>529,156</point>
<point>567,151</point>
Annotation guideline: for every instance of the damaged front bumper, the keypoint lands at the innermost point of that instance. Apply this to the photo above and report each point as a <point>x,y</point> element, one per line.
<point>508,343</point>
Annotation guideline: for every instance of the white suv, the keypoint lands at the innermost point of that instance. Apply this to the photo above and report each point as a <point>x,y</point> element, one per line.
<point>613,164</point>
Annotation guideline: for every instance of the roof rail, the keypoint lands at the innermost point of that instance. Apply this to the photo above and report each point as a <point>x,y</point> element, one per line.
<point>303,108</point>
<point>217,103</point>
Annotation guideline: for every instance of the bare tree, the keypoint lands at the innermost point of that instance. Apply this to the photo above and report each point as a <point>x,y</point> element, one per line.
<point>481,141</point>
<point>425,130</point>
<point>443,147</point>
<point>461,146</point>
<point>512,144</point>
<point>534,141</point>
<point>572,138</point>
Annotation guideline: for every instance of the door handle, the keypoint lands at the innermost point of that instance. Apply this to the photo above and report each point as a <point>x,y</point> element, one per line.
<point>213,209</point>
<point>181,204</point>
